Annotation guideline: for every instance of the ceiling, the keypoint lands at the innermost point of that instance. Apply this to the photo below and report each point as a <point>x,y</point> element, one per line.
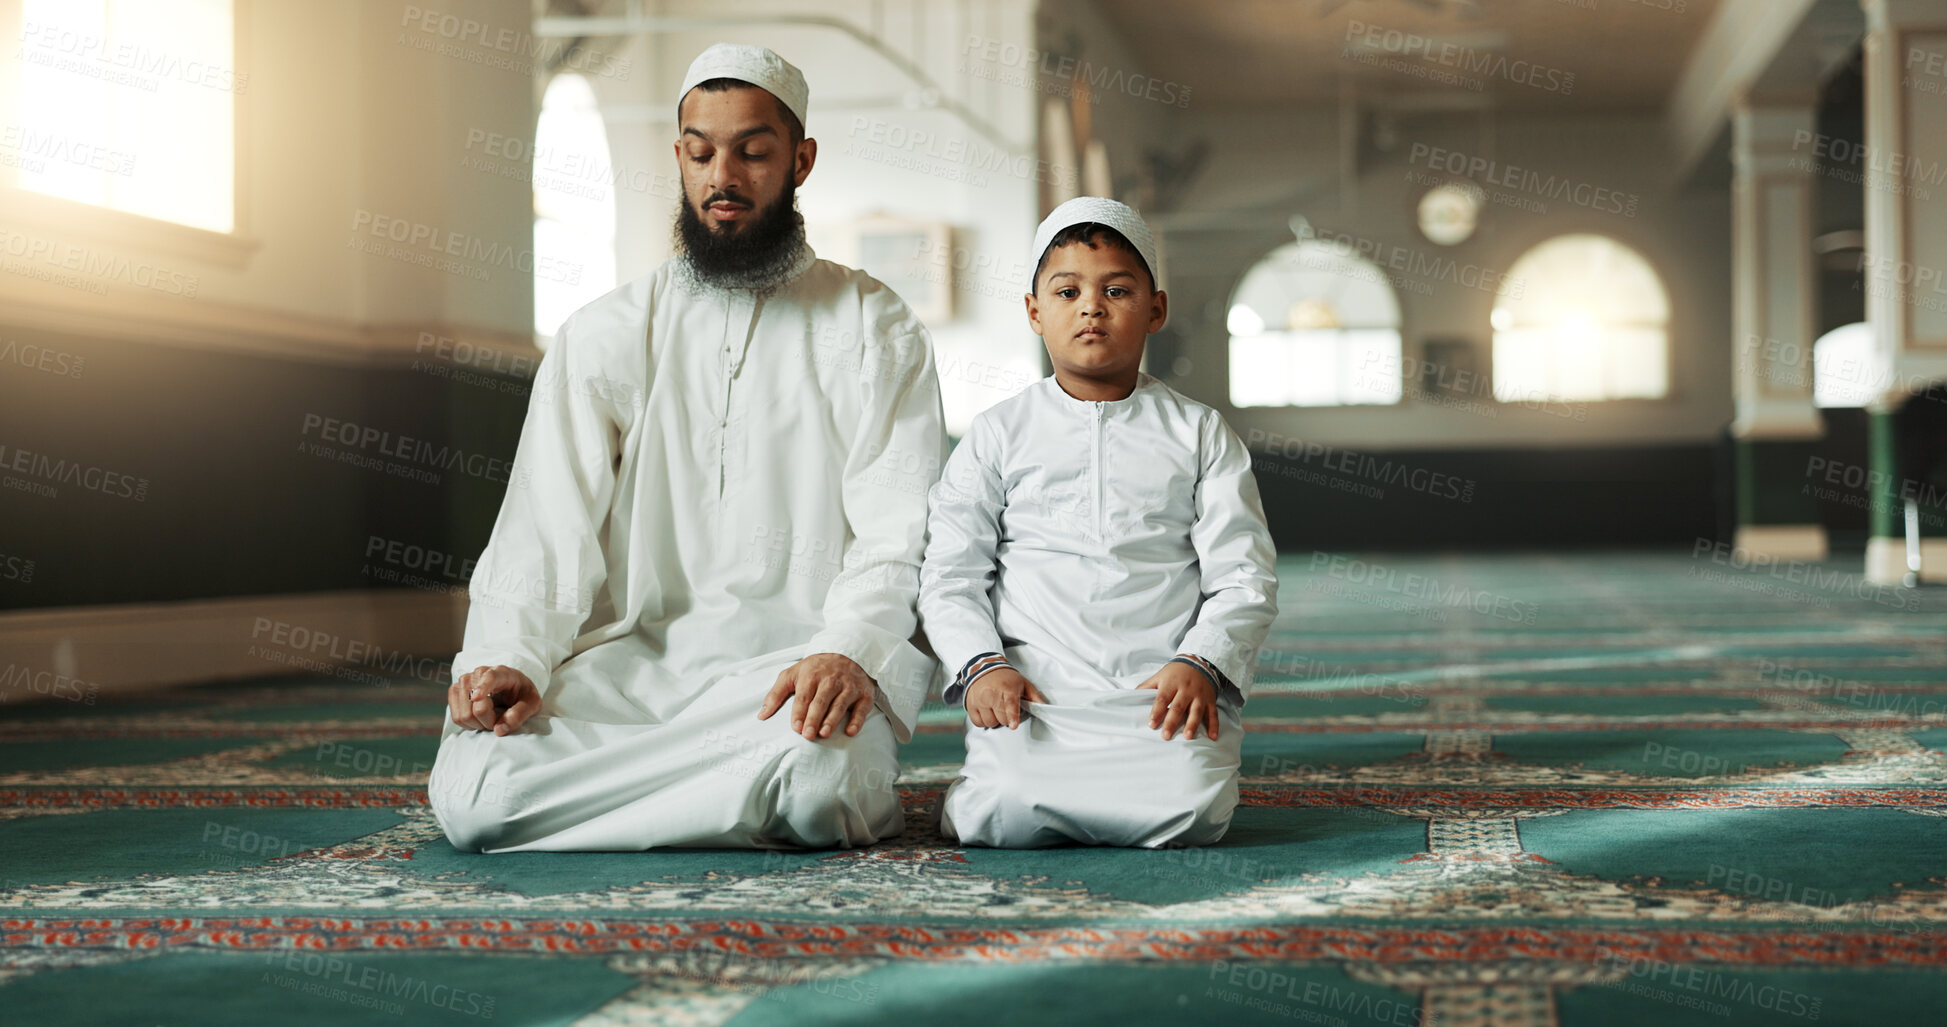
<point>1625,55</point>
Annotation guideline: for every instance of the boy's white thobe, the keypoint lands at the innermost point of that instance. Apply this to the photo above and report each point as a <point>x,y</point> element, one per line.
<point>1089,542</point>
<point>709,486</point>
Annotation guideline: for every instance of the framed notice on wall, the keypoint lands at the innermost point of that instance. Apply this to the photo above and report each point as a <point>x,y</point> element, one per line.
<point>914,258</point>
<point>1449,368</point>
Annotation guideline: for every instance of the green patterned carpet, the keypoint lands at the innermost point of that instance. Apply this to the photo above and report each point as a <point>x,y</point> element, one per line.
<point>1480,790</point>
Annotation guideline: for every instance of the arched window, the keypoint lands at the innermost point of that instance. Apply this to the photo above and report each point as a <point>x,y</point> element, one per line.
<point>1843,368</point>
<point>574,204</point>
<point>1581,317</point>
<point>1314,324</point>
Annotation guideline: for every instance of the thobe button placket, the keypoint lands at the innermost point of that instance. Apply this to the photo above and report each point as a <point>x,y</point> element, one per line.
<point>740,315</point>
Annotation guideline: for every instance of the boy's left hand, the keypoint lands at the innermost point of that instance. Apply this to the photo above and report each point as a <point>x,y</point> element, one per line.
<point>1185,699</point>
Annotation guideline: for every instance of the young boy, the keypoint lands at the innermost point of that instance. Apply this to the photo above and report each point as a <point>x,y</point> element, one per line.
<point>1098,573</point>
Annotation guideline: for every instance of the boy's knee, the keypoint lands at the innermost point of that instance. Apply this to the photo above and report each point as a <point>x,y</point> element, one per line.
<point>1005,767</point>
<point>1207,827</point>
<point>1213,815</point>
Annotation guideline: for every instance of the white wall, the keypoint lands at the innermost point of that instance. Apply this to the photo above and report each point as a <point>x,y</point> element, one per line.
<point>1270,160</point>
<point>346,111</point>
<point>876,155</point>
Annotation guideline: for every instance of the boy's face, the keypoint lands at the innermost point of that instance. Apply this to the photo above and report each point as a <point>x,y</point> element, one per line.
<point>1094,309</point>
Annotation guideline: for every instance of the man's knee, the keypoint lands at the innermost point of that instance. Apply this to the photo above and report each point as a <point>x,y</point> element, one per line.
<point>469,804</point>
<point>825,771</point>
<point>471,828</point>
<point>836,795</point>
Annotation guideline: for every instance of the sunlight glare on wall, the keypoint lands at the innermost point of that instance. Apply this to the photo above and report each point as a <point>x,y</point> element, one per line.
<point>146,89</point>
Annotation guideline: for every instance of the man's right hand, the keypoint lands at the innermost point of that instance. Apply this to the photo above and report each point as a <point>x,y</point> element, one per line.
<point>497,699</point>
<point>995,698</point>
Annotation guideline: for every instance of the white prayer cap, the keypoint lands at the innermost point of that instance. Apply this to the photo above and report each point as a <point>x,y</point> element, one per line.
<point>1102,211</point>
<point>756,65</point>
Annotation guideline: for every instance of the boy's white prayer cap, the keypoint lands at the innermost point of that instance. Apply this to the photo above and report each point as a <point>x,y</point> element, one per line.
<point>756,65</point>
<point>1102,211</point>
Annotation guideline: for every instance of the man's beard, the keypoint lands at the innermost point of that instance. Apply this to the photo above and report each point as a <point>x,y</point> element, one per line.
<point>760,256</point>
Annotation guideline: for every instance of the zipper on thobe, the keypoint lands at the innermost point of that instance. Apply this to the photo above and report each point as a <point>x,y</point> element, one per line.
<point>1095,438</point>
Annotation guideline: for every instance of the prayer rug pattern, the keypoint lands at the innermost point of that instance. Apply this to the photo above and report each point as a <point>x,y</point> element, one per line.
<point>1514,790</point>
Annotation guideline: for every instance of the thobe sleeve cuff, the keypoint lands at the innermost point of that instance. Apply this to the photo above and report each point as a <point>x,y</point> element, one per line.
<point>959,639</point>
<point>956,693</point>
<point>512,633</point>
<point>855,643</point>
<point>901,672</point>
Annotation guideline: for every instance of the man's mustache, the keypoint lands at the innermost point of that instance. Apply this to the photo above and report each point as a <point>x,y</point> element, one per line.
<point>725,198</point>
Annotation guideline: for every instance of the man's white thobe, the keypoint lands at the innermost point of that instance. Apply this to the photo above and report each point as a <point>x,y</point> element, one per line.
<point>709,485</point>
<point>1088,543</point>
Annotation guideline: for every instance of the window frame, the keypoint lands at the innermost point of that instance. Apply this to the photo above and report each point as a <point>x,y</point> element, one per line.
<point>1399,329</point>
<point>543,339</point>
<point>1672,391</point>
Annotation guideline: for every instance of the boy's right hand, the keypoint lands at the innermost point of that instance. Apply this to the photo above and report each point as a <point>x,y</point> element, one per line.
<point>995,698</point>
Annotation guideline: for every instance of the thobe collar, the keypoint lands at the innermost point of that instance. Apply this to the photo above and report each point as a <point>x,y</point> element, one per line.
<point>1087,407</point>
<point>741,307</point>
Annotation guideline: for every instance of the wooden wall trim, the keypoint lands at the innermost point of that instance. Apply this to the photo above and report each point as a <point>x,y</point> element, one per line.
<point>362,635</point>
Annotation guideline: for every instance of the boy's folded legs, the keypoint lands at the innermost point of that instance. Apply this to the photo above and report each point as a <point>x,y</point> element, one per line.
<point>1094,774</point>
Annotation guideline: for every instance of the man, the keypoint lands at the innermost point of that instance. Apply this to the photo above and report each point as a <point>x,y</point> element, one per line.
<point>718,511</point>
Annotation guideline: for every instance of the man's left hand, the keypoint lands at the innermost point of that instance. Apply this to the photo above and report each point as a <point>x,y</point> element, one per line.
<point>830,689</point>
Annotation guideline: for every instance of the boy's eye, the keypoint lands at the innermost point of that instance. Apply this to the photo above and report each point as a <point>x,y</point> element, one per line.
<point>1069,293</point>
<point>1117,290</point>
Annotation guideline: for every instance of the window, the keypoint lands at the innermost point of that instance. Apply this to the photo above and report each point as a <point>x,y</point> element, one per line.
<point>1581,317</point>
<point>574,213</point>
<point>1314,324</point>
<point>128,105</point>
<point>1843,367</point>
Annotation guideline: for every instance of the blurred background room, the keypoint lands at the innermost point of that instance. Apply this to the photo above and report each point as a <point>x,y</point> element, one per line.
<point>1577,343</point>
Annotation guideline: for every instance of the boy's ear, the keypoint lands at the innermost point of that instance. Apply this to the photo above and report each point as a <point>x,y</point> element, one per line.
<point>1034,313</point>
<point>1159,310</point>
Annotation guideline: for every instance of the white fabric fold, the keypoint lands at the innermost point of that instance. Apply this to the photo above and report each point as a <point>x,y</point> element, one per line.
<point>1088,543</point>
<point>712,485</point>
